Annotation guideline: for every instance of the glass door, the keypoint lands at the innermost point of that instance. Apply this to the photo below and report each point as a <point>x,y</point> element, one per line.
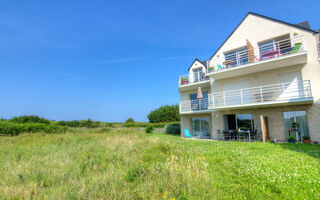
<point>296,124</point>
<point>200,127</point>
<point>197,74</point>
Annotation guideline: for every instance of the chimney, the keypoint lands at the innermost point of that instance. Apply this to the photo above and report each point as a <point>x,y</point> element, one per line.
<point>304,24</point>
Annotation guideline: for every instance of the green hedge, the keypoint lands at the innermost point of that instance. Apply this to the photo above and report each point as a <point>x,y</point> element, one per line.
<point>80,123</point>
<point>29,119</point>
<point>173,129</point>
<point>145,124</point>
<point>9,128</point>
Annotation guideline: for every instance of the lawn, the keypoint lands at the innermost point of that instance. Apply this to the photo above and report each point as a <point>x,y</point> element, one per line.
<point>126,164</point>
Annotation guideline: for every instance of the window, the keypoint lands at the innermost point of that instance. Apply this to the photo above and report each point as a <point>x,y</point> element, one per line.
<point>244,122</point>
<point>197,74</point>
<point>275,47</point>
<point>200,127</point>
<point>199,104</point>
<point>296,124</point>
<point>237,57</point>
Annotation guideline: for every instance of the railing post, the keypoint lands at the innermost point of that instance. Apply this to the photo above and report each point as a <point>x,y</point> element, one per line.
<point>224,98</point>
<point>241,96</point>
<point>261,95</point>
<point>310,91</point>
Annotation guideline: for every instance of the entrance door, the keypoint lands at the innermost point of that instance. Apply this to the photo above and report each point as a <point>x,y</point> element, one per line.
<point>200,127</point>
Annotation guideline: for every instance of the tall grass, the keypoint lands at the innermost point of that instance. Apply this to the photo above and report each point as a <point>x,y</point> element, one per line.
<point>125,164</point>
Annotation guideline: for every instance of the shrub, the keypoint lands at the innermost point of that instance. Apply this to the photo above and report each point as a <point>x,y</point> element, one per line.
<point>129,120</point>
<point>9,128</point>
<point>173,129</point>
<point>83,123</point>
<point>306,137</point>
<point>108,124</point>
<point>149,129</point>
<point>165,113</point>
<point>145,124</point>
<point>29,119</point>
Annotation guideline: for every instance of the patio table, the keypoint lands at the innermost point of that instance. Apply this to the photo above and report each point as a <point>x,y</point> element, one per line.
<point>270,54</point>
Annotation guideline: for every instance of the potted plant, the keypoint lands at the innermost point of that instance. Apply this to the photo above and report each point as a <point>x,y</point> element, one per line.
<point>306,139</point>
<point>210,69</point>
<point>184,81</point>
<point>292,139</point>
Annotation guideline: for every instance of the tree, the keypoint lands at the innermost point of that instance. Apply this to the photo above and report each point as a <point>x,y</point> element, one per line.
<point>166,113</point>
<point>129,120</point>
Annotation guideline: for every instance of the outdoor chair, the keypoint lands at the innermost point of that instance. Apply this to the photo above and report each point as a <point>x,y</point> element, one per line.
<point>226,135</point>
<point>187,133</point>
<point>253,135</point>
<point>295,48</point>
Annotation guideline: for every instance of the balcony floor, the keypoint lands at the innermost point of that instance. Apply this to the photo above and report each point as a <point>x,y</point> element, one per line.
<point>298,101</point>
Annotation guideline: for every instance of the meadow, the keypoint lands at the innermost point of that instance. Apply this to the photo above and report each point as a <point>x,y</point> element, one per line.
<point>127,163</point>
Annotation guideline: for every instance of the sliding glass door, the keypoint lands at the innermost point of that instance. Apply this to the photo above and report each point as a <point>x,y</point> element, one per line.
<point>296,124</point>
<point>200,127</point>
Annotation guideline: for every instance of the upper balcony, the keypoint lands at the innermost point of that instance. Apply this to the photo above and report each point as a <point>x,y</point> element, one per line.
<point>273,54</point>
<point>296,92</point>
<point>188,82</point>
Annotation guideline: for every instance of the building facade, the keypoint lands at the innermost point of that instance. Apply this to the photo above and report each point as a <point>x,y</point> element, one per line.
<point>265,67</point>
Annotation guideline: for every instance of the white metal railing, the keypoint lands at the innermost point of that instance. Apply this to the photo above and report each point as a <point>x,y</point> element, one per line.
<point>187,79</point>
<point>273,49</point>
<point>194,105</point>
<point>263,94</point>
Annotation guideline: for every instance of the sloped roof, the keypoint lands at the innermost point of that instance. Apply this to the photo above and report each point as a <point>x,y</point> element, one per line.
<point>299,26</point>
<point>200,61</point>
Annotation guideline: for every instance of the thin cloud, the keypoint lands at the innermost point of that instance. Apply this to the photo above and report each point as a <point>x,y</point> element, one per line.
<point>69,76</point>
<point>29,33</point>
<point>119,61</point>
<point>176,58</point>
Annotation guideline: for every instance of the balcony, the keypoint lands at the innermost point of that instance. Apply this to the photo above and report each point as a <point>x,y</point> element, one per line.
<point>194,106</point>
<point>187,82</point>
<point>296,92</point>
<point>271,55</point>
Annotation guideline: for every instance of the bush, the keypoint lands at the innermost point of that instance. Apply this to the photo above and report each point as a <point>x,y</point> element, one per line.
<point>173,129</point>
<point>83,123</point>
<point>9,128</point>
<point>129,120</point>
<point>29,119</point>
<point>165,113</point>
<point>108,124</point>
<point>149,129</point>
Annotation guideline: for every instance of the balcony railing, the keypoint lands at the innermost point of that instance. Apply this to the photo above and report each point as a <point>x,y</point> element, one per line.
<point>282,92</point>
<point>264,52</point>
<point>194,105</point>
<point>187,79</point>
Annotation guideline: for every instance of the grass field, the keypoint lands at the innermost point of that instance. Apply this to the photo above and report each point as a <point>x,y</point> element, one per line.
<point>124,164</point>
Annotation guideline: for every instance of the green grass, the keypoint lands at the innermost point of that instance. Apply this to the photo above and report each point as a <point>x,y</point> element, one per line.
<point>124,164</point>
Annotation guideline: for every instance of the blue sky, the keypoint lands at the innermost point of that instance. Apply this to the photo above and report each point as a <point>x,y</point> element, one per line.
<point>110,60</point>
